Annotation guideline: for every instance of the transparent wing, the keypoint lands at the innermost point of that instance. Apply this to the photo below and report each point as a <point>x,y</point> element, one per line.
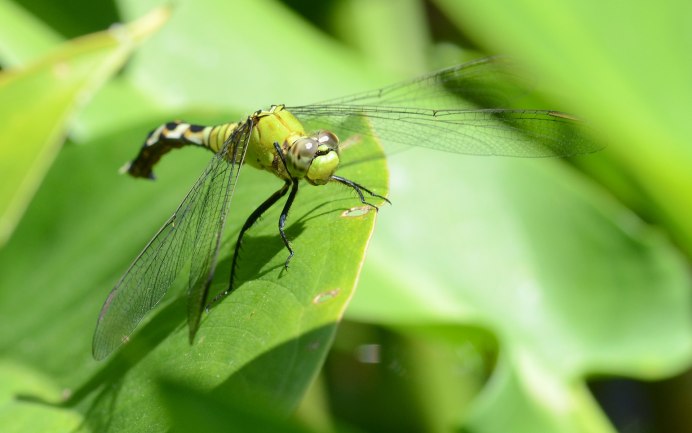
<point>462,109</point>
<point>485,82</point>
<point>187,242</point>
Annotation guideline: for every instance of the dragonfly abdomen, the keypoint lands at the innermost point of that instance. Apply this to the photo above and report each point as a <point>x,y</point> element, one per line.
<point>173,135</point>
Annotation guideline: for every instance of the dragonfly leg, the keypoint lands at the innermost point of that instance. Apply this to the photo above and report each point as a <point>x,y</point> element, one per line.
<point>282,220</point>
<point>358,188</point>
<point>252,219</point>
<point>287,206</point>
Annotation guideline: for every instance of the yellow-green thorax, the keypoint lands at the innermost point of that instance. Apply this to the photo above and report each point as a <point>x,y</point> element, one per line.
<point>314,156</point>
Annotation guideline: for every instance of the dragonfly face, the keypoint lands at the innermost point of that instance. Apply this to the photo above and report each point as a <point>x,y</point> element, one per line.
<point>315,158</point>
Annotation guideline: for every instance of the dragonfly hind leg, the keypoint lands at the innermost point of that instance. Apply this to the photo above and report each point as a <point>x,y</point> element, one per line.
<point>291,184</point>
<point>252,219</point>
<point>359,189</point>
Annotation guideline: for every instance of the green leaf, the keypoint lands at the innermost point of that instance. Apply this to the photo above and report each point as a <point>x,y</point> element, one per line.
<point>43,98</point>
<point>569,281</point>
<point>266,340</point>
<point>359,22</point>
<point>97,222</point>
<point>269,337</point>
<point>626,70</point>
<point>560,273</point>
<point>272,44</point>
<point>191,410</point>
<point>23,37</point>
<point>17,415</point>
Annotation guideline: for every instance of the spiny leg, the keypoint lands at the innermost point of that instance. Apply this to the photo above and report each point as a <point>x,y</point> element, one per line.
<point>252,219</point>
<point>358,188</point>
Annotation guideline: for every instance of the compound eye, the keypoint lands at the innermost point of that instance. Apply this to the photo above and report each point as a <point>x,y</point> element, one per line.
<point>305,148</point>
<point>329,139</point>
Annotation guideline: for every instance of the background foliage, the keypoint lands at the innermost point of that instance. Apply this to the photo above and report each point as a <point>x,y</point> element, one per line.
<point>493,288</point>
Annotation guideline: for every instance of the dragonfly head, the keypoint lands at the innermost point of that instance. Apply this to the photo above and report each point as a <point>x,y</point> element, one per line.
<point>315,158</point>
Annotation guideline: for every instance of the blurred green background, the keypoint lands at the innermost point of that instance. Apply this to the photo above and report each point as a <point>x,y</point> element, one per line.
<point>497,294</point>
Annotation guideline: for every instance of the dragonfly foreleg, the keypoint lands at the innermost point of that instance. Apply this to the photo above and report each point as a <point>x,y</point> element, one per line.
<point>359,190</point>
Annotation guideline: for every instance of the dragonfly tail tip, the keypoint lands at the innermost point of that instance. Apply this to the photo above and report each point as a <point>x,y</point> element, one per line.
<point>125,168</point>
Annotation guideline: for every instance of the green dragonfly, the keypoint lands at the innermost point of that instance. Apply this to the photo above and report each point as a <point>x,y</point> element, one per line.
<point>453,110</point>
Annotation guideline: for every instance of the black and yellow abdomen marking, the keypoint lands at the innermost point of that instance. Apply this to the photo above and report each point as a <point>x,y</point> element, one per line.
<point>174,135</point>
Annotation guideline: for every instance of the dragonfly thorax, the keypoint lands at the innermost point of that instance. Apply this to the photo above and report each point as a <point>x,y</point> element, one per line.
<point>313,157</point>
